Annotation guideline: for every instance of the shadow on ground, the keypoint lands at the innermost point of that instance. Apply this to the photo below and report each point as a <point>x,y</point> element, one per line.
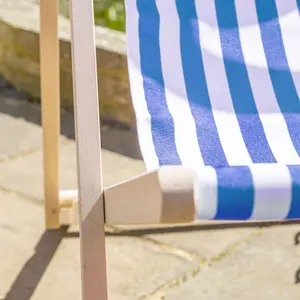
<point>129,231</point>
<point>29,277</point>
<point>115,137</point>
<point>297,243</point>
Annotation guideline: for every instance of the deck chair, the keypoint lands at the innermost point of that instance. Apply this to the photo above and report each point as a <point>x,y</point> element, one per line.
<point>216,90</point>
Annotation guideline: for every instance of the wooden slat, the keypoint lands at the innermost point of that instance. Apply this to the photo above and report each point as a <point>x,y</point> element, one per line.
<point>94,283</point>
<point>49,60</point>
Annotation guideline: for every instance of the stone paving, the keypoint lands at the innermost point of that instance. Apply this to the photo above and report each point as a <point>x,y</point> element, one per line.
<point>203,261</point>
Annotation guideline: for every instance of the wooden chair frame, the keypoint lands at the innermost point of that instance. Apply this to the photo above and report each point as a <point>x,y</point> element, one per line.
<point>167,192</point>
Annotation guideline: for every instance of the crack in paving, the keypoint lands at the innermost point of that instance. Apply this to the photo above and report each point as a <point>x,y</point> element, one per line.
<point>160,292</point>
<point>183,254</point>
<point>166,248</point>
<point>11,157</point>
<point>22,196</point>
<point>15,156</point>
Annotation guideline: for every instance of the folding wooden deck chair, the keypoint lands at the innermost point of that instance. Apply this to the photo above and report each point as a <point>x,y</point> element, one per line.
<point>216,90</point>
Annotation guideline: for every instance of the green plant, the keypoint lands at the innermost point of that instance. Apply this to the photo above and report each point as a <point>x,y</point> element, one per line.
<point>112,16</point>
<point>108,13</point>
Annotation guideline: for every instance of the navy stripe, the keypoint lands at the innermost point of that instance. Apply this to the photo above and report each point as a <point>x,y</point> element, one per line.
<point>235,193</point>
<point>196,87</point>
<point>279,69</point>
<point>239,84</point>
<point>294,212</point>
<point>162,123</point>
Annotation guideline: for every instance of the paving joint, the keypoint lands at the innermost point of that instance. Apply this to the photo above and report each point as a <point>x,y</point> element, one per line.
<point>167,248</point>
<point>11,157</point>
<point>21,195</point>
<point>160,292</point>
<point>15,156</point>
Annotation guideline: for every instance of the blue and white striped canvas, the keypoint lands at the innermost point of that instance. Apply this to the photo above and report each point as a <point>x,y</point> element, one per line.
<point>216,87</point>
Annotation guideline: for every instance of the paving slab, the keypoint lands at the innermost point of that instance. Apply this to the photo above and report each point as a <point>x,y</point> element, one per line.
<point>144,262</point>
<point>18,136</point>
<point>262,268</point>
<point>25,173</point>
<point>45,265</point>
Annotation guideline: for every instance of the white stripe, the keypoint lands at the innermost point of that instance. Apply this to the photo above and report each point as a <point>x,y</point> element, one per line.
<point>206,193</point>
<point>136,84</point>
<point>290,29</point>
<point>271,117</point>
<point>273,191</point>
<point>221,101</point>
<point>176,96</point>
<point>289,20</point>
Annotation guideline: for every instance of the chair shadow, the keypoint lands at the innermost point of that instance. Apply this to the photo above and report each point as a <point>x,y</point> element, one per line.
<point>29,277</point>
<point>297,239</point>
<point>139,231</point>
<point>297,243</point>
<point>297,276</point>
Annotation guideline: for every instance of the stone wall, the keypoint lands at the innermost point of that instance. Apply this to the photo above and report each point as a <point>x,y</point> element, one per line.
<point>19,59</point>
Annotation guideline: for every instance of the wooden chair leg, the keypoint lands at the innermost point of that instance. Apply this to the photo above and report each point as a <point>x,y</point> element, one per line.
<point>94,283</point>
<point>50,91</point>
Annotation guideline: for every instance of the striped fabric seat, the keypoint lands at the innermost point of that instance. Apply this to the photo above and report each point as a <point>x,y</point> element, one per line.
<point>216,87</point>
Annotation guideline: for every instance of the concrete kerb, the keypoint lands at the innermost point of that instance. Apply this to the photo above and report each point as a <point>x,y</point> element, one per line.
<point>19,59</point>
